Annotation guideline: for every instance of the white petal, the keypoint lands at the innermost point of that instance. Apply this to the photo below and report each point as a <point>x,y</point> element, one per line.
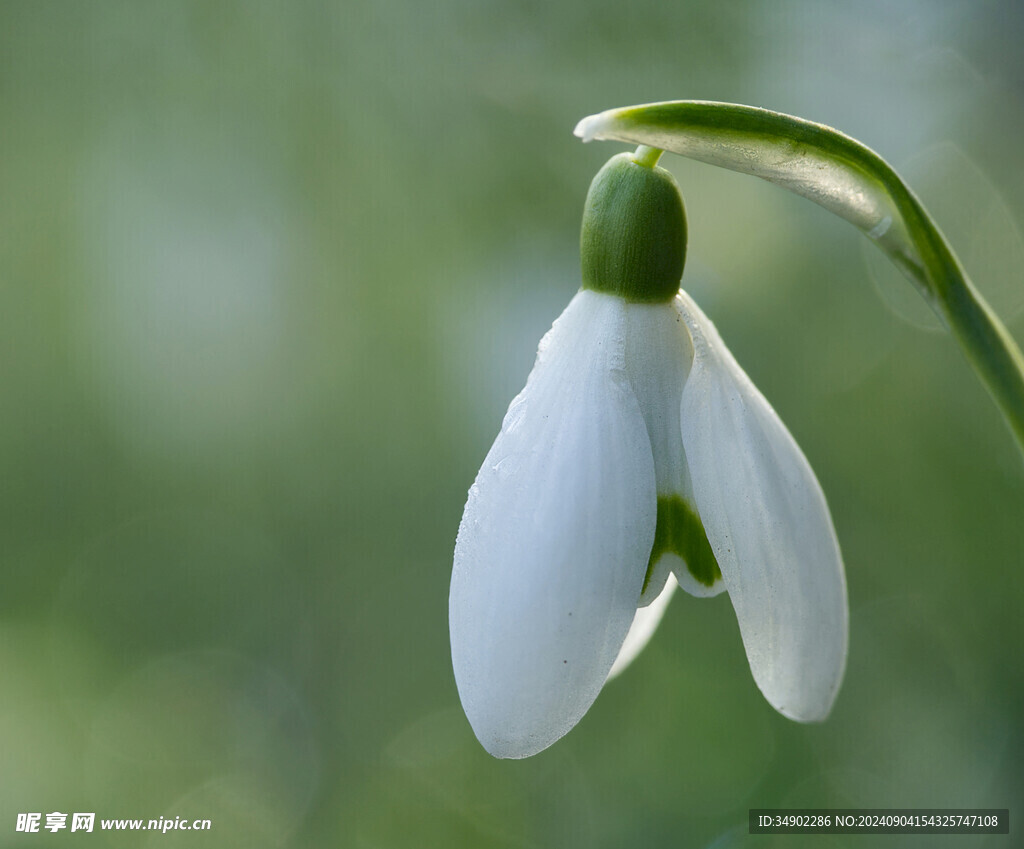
<point>770,528</point>
<point>554,541</point>
<point>645,623</point>
<point>658,357</point>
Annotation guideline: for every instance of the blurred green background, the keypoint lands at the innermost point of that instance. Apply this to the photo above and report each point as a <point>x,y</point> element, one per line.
<point>269,276</point>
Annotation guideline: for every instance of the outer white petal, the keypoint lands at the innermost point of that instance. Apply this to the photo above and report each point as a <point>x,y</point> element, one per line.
<point>769,526</point>
<point>554,540</point>
<point>645,623</point>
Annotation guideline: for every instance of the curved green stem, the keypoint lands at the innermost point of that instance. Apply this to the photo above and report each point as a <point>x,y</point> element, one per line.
<point>851,180</point>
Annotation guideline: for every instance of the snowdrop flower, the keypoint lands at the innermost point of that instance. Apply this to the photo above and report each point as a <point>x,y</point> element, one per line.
<point>639,456</point>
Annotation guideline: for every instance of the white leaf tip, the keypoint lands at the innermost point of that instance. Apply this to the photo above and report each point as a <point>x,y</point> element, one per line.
<point>589,128</point>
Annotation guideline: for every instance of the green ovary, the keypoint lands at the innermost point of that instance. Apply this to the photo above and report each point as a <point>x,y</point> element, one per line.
<point>680,531</point>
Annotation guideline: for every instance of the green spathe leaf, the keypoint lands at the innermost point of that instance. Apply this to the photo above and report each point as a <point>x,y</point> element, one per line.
<point>851,180</point>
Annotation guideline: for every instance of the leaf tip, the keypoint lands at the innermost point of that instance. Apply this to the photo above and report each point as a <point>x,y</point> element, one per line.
<point>589,128</point>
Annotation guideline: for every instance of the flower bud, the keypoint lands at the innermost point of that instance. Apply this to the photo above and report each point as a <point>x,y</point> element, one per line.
<point>633,240</point>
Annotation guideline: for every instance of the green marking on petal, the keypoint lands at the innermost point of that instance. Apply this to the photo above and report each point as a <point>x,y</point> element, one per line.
<point>680,531</point>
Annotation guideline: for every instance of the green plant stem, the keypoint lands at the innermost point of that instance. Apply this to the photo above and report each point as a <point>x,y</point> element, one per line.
<point>647,156</point>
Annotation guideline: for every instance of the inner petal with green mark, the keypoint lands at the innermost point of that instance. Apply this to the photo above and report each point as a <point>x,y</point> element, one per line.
<point>658,354</point>
<point>680,532</point>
